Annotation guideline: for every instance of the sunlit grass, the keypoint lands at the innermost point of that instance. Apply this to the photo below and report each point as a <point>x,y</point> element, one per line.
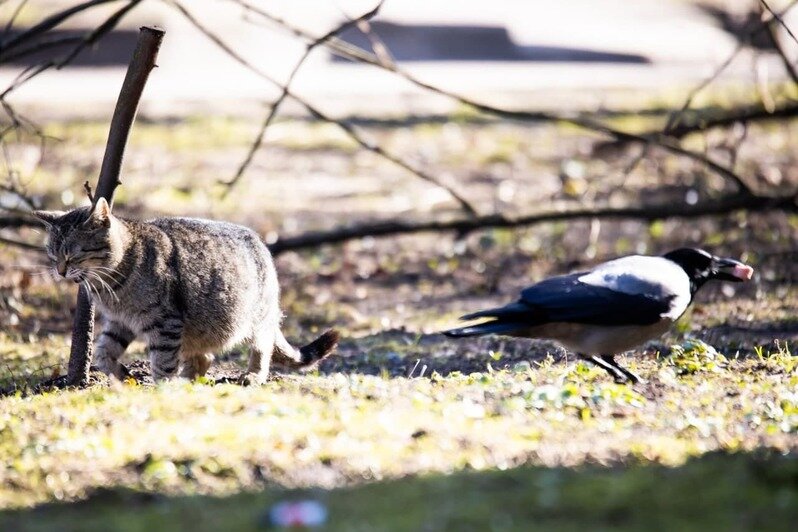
<point>333,430</point>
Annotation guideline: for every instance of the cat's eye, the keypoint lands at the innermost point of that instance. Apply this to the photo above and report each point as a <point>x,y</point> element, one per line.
<point>93,250</point>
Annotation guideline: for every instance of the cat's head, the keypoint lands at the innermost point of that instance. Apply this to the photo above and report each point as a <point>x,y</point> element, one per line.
<point>83,242</point>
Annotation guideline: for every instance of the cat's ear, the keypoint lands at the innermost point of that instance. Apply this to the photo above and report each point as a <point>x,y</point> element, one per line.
<point>48,218</point>
<point>102,212</point>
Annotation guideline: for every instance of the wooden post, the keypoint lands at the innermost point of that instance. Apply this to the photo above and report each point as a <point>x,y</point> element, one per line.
<point>142,62</point>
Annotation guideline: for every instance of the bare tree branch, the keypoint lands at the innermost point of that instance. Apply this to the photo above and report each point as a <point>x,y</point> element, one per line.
<point>104,28</point>
<point>34,70</point>
<point>725,205</point>
<point>780,20</point>
<point>711,119</point>
<point>46,24</point>
<point>673,127</point>
<point>584,122</point>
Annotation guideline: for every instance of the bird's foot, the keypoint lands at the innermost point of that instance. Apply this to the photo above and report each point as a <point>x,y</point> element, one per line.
<point>620,374</point>
<point>634,379</point>
<point>631,377</point>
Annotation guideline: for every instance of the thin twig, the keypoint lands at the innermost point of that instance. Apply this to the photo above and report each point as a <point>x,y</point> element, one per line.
<point>19,195</point>
<point>106,27</point>
<point>286,87</point>
<point>348,129</point>
<point>13,18</point>
<point>34,70</point>
<point>780,20</point>
<point>764,25</point>
<point>774,37</point>
<point>40,46</point>
<point>89,192</point>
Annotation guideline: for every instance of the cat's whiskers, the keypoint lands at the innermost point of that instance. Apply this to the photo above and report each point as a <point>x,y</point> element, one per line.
<point>94,288</point>
<point>110,272</point>
<point>103,284</point>
<point>88,287</point>
<point>106,286</point>
<point>101,271</point>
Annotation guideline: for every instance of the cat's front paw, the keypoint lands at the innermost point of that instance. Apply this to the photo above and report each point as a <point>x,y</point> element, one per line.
<point>251,379</point>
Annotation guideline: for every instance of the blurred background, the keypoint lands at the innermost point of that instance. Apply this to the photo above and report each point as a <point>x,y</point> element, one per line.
<point>416,113</point>
<point>509,52</point>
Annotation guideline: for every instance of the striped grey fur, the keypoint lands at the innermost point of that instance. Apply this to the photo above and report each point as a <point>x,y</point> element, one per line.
<point>188,287</point>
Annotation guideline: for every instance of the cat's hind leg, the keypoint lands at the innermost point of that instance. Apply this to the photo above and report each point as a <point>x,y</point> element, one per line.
<point>164,343</point>
<point>111,345</point>
<point>196,365</point>
<point>260,356</point>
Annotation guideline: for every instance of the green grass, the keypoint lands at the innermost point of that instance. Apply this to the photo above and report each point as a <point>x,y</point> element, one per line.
<point>716,492</point>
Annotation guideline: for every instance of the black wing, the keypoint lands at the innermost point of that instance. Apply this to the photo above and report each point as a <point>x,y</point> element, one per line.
<point>567,299</point>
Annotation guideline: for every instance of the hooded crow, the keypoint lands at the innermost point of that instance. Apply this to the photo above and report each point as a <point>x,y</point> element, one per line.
<point>610,309</point>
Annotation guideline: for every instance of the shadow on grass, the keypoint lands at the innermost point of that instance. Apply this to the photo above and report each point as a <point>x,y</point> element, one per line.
<point>392,353</point>
<point>397,353</point>
<point>732,337</point>
<point>715,492</point>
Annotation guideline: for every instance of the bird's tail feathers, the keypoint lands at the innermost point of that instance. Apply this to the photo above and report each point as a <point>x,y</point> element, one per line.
<point>513,309</point>
<point>489,327</point>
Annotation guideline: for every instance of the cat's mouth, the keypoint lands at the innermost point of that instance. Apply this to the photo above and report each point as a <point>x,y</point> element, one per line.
<point>75,277</point>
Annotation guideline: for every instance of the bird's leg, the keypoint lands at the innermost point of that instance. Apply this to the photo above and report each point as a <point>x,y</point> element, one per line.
<point>632,377</point>
<point>612,369</point>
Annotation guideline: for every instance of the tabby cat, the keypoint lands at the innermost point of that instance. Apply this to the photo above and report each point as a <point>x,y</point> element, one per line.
<point>189,287</point>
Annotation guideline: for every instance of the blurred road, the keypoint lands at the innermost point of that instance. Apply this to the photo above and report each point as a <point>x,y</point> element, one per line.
<point>534,53</point>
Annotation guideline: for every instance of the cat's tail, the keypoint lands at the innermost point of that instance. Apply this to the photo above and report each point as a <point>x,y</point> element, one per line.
<point>306,356</point>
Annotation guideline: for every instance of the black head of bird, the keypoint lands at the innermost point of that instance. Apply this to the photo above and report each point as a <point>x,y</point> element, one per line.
<point>701,267</point>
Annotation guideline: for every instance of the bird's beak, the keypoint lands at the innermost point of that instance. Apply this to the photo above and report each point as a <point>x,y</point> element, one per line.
<point>732,270</point>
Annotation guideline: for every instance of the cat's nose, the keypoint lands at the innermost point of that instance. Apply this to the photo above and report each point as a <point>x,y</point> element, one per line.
<point>61,267</point>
